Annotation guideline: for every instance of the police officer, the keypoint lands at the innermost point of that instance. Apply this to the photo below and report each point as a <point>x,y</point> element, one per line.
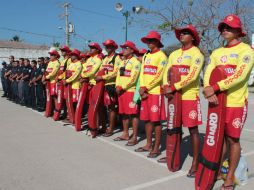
<point>14,84</point>
<point>7,75</point>
<point>39,86</point>
<point>26,77</point>
<point>19,81</point>
<point>32,83</point>
<point>3,79</point>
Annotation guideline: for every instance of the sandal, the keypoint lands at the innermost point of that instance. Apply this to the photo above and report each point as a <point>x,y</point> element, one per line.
<point>191,174</point>
<point>108,133</point>
<point>141,149</point>
<point>162,160</point>
<point>133,143</point>
<point>227,187</point>
<point>153,154</point>
<point>120,139</point>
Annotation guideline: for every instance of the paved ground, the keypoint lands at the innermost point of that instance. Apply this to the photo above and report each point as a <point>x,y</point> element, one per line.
<point>38,153</point>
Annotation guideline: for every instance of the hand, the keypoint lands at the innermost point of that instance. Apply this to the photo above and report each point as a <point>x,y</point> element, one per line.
<point>213,100</point>
<point>64,82</point>
<point>98,78</point>
<point>208,91</point>
<point>119,90</point>
<point>142,91</point>
<point>82,80</point>
<point>169,96</point>
<point>144,96</point>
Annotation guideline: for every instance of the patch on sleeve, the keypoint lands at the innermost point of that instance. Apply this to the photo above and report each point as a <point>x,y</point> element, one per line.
<point>246,59</point>
<point>197,61</point>
<point>163,63</point>
<point>137,67</point>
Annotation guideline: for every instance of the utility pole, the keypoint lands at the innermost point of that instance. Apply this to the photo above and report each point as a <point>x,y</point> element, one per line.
<point>67,34</point>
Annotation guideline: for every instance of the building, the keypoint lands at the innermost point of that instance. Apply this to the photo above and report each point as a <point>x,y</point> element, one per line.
<point>20,49</point>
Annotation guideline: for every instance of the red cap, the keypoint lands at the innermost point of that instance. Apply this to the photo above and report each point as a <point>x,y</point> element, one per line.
<point>65,48</point>
<point>152,35</point>
<point>54,52</point>
<point>131,45</point>
<point>84,55</point>
<point>95,45</point>
<point>232,21</point>
<point>192,30</point>
<point>142,51</point>
<point>110,42</point>
<point>75,52</point>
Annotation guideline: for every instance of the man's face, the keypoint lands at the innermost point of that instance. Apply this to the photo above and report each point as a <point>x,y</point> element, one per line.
<point>52,57</point>
<point>127,51</point>
<point>64,53</point>
<point>110,49</point>
<point>73,58</point>
<point>186,37</point>
<point>93,51</point>
<point>11,59</point>
<point>229,33</point>
<point>152,43</point>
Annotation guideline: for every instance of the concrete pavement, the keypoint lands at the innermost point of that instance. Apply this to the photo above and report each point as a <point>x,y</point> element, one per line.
<point>39,153</point>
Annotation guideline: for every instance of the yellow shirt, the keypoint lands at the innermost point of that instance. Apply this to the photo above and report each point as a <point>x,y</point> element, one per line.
<point>92,65</point>
<point>152,69</point>
<point>52,69</point>
<point>189,62</point>
<point>72,74</point>
<point>238,62</point>
<point>111,68</point>
<point>131,74</point>
<point>61,73</point>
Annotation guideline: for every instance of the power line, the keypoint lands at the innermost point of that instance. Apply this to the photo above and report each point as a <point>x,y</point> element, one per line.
<point>96,13</point>
<point>27,32</point>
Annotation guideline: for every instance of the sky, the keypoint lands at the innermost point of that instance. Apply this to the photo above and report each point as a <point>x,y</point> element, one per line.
<point>42,17</point>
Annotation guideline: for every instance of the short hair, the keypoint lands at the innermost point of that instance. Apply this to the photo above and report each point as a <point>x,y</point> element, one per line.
<point>22,59</point>
<point>11,56</point>
<point>34,61</point>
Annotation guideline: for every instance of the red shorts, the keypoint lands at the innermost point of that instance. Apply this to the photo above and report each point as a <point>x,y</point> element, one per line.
<point>75,95</point>
<point>52,89</point>
<point>65,90</point>
<point>109,100</point>
<point>191,113</point>
<point>153,108</point>
<point>235,119</point>
<point>126,104</point>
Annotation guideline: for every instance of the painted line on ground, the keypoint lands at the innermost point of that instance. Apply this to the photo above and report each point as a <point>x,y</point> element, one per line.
<point>157,181</point>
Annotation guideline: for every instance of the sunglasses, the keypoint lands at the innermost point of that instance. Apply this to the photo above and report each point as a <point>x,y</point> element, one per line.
<point>185,33</point>
<point>126,47</point>
<point>150,40</point>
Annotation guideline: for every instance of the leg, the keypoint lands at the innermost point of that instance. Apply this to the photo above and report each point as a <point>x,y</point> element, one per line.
<point>157,130</point>
<point>125,135</point>
<point>135,123</point>
<point>194,133</point>
<point>112,118</point>
<point>234,157</point>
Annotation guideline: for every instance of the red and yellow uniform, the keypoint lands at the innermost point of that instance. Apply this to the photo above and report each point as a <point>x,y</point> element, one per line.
<point>151,74</point>
<point>111,66</point>
<point>72,76</point>
<point>52,69</point>
<point>127,81</point>
<point>90,69</point>
<point>189,62</point>
<point>61,73</point>
<point>238,62</point>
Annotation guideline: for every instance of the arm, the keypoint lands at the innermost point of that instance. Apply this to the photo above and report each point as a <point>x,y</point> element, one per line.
<point>195,68</point>
<point>242,71</point>
<point>114,72</point>
<point>165,75</point>
<point>94,69</point>
<point>209,70</point>
<point>54,71</point>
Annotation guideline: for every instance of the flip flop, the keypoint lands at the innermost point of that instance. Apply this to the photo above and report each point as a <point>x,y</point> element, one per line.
<point>131,143</point>
<point>153,155</point>
<point>227,187</point>
<point>162,160</point>
<point>191,174</point>
<point>107,134</point>
<point>120,139</point>
<point>141,149</point>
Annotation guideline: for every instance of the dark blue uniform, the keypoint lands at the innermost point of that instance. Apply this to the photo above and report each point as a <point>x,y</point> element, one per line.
<point>27,71</point>
<point>3,79</point>
<point>41,101</point>
<point>8,82</point>
<point>14,84</point>
<point>33,88</point>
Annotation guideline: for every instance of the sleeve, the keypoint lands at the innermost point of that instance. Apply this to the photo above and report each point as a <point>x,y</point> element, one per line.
<point>195,68</point>
<point>55,68</point>
<point>94,69</point>
<point>165,74</point>
<point>209,69</point>
<point>76,73</point>
<point>241,73</point>
<point>114,72</point>
<point>118,76</point>
<point>134,76</point>
<point>159,74</point>
<point>83,70</point>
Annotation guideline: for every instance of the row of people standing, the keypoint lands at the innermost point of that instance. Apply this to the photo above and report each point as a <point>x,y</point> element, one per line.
<point>21,81</point>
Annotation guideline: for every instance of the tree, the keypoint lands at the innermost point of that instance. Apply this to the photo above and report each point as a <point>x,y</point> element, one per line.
<point>166,15</point>
<point>16,38</point>
<point>56,44</point>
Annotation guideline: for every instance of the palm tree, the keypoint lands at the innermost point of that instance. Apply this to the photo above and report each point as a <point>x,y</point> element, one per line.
<point>16,38</point>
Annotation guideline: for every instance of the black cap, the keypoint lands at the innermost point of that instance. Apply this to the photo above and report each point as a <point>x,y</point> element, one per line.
<point>3,63</point>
